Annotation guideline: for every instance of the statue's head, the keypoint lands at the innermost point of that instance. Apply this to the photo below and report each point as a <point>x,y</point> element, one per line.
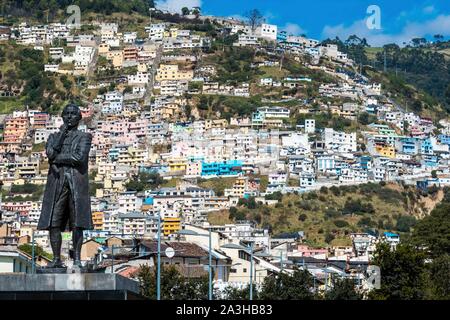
<point>71,115</point>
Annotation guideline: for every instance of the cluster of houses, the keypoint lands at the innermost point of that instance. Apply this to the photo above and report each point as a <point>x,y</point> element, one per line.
<point>240,253</point>
<point>131,138</point>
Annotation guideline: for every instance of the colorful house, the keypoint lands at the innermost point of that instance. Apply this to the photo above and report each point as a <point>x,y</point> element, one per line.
<point>225,168</point>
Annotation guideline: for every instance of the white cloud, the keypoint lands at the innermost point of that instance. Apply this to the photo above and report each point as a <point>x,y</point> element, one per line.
<point>293,28</point>
<point>438,25</point>
<point>175,6</point>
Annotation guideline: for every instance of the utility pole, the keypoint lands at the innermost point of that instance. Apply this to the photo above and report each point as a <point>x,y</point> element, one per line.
<point>33,262</point>
<point>251,271</point>
<point>158,283</point>
<point>281,260</point>
<point>210,267</point>
<point>112,259</point>
<point>281,61</point>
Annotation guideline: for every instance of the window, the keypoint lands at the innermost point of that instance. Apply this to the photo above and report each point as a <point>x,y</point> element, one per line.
<point>244,270</point>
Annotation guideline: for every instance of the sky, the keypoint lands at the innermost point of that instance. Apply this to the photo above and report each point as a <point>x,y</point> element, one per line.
<point>399,20</point>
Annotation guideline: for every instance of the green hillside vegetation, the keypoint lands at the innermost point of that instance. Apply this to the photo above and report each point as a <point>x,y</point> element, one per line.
<point>328,216</point>
<point>226,106</point>
<point>218,185</point>
<point>417,75</point>
<point>22,69</point>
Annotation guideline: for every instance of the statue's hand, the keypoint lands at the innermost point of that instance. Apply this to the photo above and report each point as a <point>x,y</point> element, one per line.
<point>63,133</point>
<point>64,129</point>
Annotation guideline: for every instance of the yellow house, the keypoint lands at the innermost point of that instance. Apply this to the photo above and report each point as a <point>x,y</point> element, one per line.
<point>171,225</point>
<point>103,49</point>
<point>219,123</point>
<point>172,72</point>
<point>386,151</point>
<point>97,220</point>
<point>142,67</point>
<point>116,57</point>
<point>177,164</point>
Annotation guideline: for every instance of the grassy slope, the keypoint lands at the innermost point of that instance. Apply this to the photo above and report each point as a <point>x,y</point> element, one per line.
<point>392,202</point>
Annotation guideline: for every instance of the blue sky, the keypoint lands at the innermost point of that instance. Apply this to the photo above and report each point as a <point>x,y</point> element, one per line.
<point>401,20</point>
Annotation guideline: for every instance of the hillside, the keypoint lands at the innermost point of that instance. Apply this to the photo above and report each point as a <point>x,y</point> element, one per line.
<point>329,215</point>
<point>417,75</point>
<point>21,71</point>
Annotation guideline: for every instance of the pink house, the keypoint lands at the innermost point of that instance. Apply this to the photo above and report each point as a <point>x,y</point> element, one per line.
<point>306,251</point>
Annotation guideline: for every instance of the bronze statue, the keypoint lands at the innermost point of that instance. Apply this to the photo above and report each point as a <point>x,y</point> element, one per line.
<point>66,203</point>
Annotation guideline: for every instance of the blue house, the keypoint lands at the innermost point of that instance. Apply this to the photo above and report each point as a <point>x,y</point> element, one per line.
<point>148,201</point>
<point>431,161</point>
<point>371,108</point>
<point>364,162</point>
<point>422,185</point>
<point>225,168</point>
<point>409,145</point>
<point>426,147</point>
<point>444,139</point>
<point>282,36</point>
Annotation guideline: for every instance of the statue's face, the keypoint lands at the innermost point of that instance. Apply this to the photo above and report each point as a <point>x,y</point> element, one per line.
<point>71,117</point>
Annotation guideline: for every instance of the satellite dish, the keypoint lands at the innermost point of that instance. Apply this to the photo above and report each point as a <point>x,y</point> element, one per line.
<point>170,253</point>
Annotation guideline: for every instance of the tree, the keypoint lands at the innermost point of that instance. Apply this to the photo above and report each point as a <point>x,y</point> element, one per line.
<point>38,250</point>
<point>405,126</point>
<point>237,215</point>
<point>343,289</point>
<point>434,174</point>
<point>274,196</point>
<point>419,42</point>
<point>254,18</point>
<point>440,277</point>
<point>145,181</point>
<point>174,286</point>
<point>296,286</point>
<point>128,89</point>
<point>432,231</point>
<point>365,118</point>
<point>402,272</point>
<point>185,11</point>
<point>405,223</point>
<point>438,37</point>
<point>232,293</point>
<point>447,95</point>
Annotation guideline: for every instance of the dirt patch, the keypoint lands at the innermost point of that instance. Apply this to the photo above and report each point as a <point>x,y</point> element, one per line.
<point>429,203</point>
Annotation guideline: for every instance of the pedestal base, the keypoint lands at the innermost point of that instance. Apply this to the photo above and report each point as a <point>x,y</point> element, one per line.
<point>76,269</point>
<point>55,282</point>
<point>51,270</point>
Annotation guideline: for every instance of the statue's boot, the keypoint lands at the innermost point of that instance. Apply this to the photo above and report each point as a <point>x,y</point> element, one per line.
<point>77,238</point>
<point>55,242</point>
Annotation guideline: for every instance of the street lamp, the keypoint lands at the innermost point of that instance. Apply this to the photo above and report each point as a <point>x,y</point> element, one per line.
<point>150,11</point>
<point>33,262</point>
<point>195,233</point>
<point>158,277</point>
<point>158,283</point>
<point>251,271</point>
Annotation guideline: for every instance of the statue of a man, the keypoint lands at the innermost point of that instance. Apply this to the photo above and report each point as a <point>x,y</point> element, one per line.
<point>66,203</point>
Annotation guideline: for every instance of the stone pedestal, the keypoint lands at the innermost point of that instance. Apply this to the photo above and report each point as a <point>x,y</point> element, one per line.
<point>64,283</point>
<point>51,270</point>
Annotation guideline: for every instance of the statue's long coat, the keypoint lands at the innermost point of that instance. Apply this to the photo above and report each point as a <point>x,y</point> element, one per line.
<point>78,162</point>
